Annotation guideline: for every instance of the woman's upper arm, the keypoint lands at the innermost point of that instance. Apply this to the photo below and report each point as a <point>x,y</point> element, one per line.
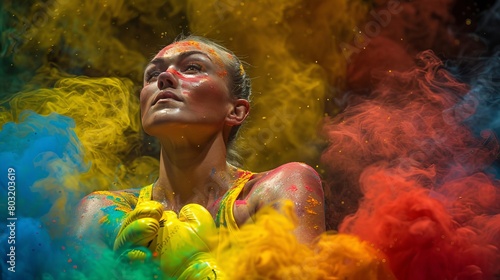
<point>86,227</point>
<point>99,217</point>
<point>306,191</point>
<point>301,184</point>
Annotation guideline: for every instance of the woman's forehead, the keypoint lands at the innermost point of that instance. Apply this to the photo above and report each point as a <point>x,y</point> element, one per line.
<point>178,48</point>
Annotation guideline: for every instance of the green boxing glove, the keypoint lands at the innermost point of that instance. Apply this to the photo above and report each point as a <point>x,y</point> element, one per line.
<point>138,231</point>
<point>184,244</point>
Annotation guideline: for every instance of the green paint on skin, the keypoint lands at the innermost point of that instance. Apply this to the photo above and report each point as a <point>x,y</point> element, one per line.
<point>114,198</point>
<point>111,222</point>
<point>111,197</point>
<point>220,218</point>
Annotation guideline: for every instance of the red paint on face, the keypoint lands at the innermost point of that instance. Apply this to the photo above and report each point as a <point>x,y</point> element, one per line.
<point>292,188</point>
<point>222,74</point>
<point>188,79</point>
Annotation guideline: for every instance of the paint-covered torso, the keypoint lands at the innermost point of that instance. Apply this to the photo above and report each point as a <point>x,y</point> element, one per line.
<point>230,211</point>
<point>247,194</point>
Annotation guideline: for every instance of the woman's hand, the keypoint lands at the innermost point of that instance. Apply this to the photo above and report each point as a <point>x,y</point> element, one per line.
<point>185,242</point>
<point>138,231</point>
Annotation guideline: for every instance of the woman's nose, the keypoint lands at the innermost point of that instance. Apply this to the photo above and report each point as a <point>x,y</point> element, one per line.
<point>167,79</point>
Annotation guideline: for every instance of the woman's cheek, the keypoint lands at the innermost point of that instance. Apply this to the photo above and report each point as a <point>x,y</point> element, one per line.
<point>216,91</point>
<point>190,85</point>
<point>143,98</point>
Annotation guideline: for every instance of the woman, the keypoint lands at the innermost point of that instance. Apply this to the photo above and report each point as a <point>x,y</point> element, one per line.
<point>194,99</point>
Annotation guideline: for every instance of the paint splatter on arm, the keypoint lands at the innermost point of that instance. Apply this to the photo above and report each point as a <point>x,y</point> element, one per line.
<point>301,184</point>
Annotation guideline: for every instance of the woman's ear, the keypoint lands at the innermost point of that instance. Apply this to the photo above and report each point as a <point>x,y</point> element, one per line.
<point>239,112</point>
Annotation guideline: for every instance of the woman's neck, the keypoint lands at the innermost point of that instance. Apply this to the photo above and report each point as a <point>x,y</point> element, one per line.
<point>192,174</point>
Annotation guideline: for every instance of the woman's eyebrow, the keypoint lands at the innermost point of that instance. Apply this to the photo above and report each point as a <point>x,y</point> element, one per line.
<point>160,60</point>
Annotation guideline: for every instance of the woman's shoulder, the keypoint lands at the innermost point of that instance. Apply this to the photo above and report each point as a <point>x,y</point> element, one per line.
<point>296,168</point>
<point>96,201</point>
<point>295,182</point>
<point>296,171</point>
<point>115,196</point>
<point>287,180</point>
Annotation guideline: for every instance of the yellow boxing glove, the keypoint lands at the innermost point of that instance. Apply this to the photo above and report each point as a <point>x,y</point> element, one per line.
<point>184,244</point>
<point>138,230</point>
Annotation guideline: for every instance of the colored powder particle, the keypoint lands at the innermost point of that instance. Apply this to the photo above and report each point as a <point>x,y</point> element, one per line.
<point>292,188</point>
<point>310,211</point>
<point>312,202</point>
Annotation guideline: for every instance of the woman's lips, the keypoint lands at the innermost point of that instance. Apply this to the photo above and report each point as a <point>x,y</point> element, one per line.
<point>165,95</point>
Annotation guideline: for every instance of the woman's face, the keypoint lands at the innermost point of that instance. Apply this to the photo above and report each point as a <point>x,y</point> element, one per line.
<point>185,91</point>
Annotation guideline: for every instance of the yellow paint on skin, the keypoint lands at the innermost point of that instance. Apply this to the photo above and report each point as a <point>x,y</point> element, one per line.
<point>312,203</point>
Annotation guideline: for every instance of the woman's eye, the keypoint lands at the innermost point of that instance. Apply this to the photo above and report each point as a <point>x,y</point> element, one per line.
<point>193,68</point>
<point>152,75</point>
